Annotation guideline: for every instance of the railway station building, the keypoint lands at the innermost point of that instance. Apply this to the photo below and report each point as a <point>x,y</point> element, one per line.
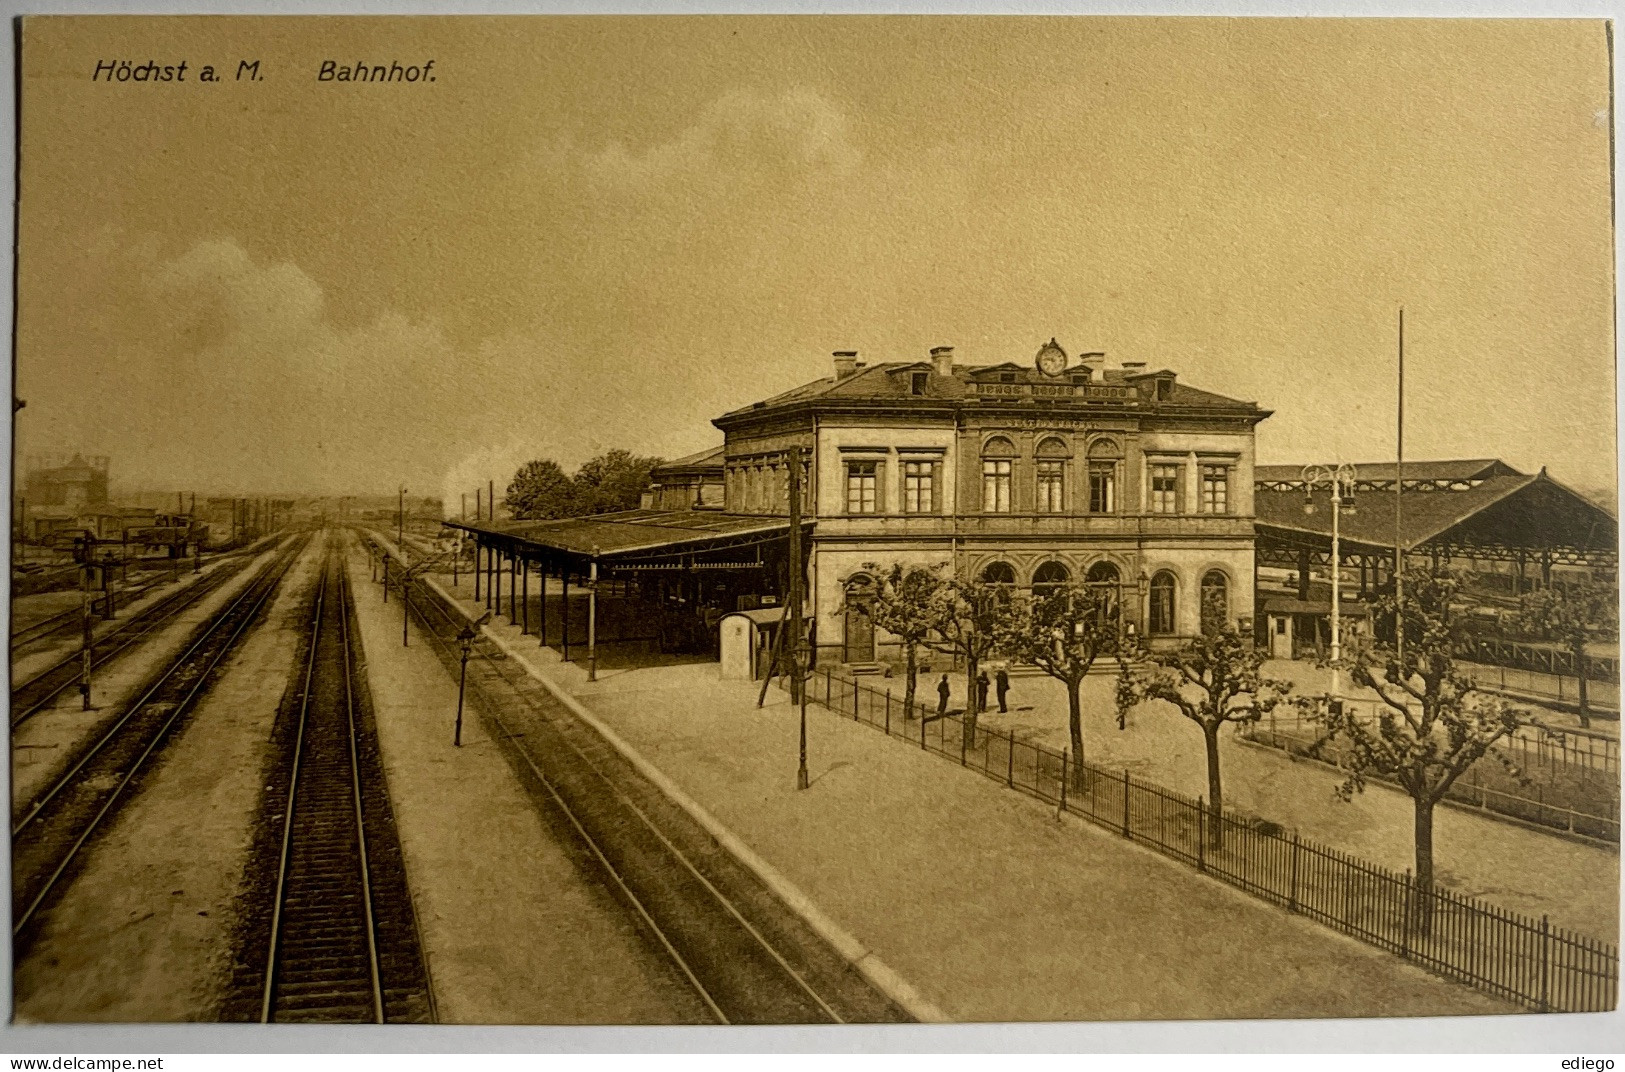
<point>1050,470</point>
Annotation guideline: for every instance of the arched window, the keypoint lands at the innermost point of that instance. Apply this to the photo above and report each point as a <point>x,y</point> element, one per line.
<point>1215,601</point>
<point>1048,577</point>
<point>1051,470</point>
<point>1162,603</point>
<point>1104,457</point>
<point>999,573</point>
<point>998,461</point>
<point>1106,583</point>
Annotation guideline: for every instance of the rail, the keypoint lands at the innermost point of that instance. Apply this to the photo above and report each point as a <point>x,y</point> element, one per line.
<point>48,838</point>
<point>731,957</point>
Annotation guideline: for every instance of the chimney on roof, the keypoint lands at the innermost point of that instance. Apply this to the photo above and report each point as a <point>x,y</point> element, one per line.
<point>1133,366</point>
<point>942,360</point>
<point>846,363</point>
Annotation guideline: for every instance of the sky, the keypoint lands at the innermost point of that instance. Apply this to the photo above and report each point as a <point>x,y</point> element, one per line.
<point>600,232</point>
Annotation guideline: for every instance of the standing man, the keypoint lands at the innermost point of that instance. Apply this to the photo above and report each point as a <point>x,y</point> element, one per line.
<point>943,689</point>
<point>1001,682</point>
<point>981,690</point>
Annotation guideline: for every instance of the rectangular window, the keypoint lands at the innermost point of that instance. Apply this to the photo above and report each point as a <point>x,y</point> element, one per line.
<point>1051,480</point>
<point>917,383</point>
<point>862,485</point>
<point>995,486</point>
<point>919,487</point>
<point>1215,489</point>
<point>1102,488</point>
<point>1165,489</point>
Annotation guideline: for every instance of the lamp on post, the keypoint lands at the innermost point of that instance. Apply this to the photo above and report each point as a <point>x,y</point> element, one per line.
<point>465,641</point>
<point>800,662</point>
<point>1339,481</point>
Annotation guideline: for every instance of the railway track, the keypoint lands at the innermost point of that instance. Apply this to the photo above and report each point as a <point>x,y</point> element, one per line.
<point>40,691</point>
<point>74,616</point>
<point>747,958</point>
<point>342,946</point>
<point>53,829</point>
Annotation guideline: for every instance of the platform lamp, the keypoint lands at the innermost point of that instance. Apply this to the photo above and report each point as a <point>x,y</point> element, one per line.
<point>465,640</point>
<point>1339,481</point>
<point>801,659</point>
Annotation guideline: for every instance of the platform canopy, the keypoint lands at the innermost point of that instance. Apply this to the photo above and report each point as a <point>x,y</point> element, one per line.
<point>1481,509</point>
<point>634,539</point>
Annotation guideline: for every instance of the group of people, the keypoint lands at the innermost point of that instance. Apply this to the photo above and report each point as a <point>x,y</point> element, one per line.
<point>1001,679</point>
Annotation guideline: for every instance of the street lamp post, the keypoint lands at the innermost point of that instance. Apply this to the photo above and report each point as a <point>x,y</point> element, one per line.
<point>800,663</point>
<point>400,524</point>
<point>465,638</point>
<point>1339,480</point>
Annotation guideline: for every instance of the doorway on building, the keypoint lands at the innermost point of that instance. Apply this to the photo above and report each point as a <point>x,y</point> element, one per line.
<point>859,646</point>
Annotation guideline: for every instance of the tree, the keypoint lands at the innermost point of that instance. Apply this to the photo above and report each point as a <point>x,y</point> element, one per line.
<point>540,489</point>
<point>903,604</point>
<point>1432,724</point>
<point>1572,616</point>
<point>1212,679</point>
<point>1062,633</point>
<point>967,618</point>
<point>612,481</point>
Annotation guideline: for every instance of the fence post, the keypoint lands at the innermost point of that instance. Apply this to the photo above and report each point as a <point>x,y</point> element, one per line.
<point>1010,755</point>
<point>1545,964</point>
<point>1292,897</point>
<point>1201,834</point>
<point>1125,806</point>
<point>1064,754</point>
<point>888,712</point>
<point>1405,928</point>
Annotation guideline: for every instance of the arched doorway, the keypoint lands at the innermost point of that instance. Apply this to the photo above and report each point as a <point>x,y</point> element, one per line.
<point>1163,588</point>
<point>858,644</point>
<point>1215,602</point>
<point>1106,583</point>
<point>1048,578</point>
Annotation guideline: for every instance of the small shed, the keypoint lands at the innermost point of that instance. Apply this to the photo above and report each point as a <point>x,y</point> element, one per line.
<point>747,642</point>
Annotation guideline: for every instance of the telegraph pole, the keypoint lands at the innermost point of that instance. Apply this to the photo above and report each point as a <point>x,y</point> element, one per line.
<point>85,601</point>
<point>800,656</point>
<point>1399,508</point>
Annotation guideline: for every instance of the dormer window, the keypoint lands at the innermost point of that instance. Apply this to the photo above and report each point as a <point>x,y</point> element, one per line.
<point>916,383</point>
<point>1165,389</point>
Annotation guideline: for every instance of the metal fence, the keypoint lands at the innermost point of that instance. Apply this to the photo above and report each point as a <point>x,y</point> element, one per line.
<point>1523,960</point>
<point>1602,696</point>
<point>1582,801</point>
<point>1542,657</point>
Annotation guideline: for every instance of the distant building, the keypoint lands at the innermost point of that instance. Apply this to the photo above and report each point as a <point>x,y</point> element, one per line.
<point>694,482</point>
<point>66,486</point>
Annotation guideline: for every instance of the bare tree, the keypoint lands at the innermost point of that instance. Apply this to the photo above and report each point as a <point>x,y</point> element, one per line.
<point>1573,616</point>
<point>1211,680</point>
<point>1431,725</point>
<point>1062,633</point>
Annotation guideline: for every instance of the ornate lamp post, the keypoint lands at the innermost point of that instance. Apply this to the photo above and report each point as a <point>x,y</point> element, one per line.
<point>1339,480</point>
<point>801,659</point>
<point>465,640</point>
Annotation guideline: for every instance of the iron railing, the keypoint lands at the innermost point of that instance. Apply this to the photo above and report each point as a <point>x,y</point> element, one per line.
<point>1514,957</point>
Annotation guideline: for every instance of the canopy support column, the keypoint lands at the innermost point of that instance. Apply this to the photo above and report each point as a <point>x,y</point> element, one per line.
<point>592,621</point>
<point>524,596</point>
<point>564,613</point>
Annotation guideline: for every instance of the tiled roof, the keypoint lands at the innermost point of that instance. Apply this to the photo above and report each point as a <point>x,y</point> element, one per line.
<point>712,458</point>
<point>1462,469</point>
<point>631,531</point>
<point>1511,509</point>
<point>881,381</point>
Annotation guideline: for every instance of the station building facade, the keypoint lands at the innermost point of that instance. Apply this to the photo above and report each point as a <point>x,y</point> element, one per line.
<point>1054,471</point>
